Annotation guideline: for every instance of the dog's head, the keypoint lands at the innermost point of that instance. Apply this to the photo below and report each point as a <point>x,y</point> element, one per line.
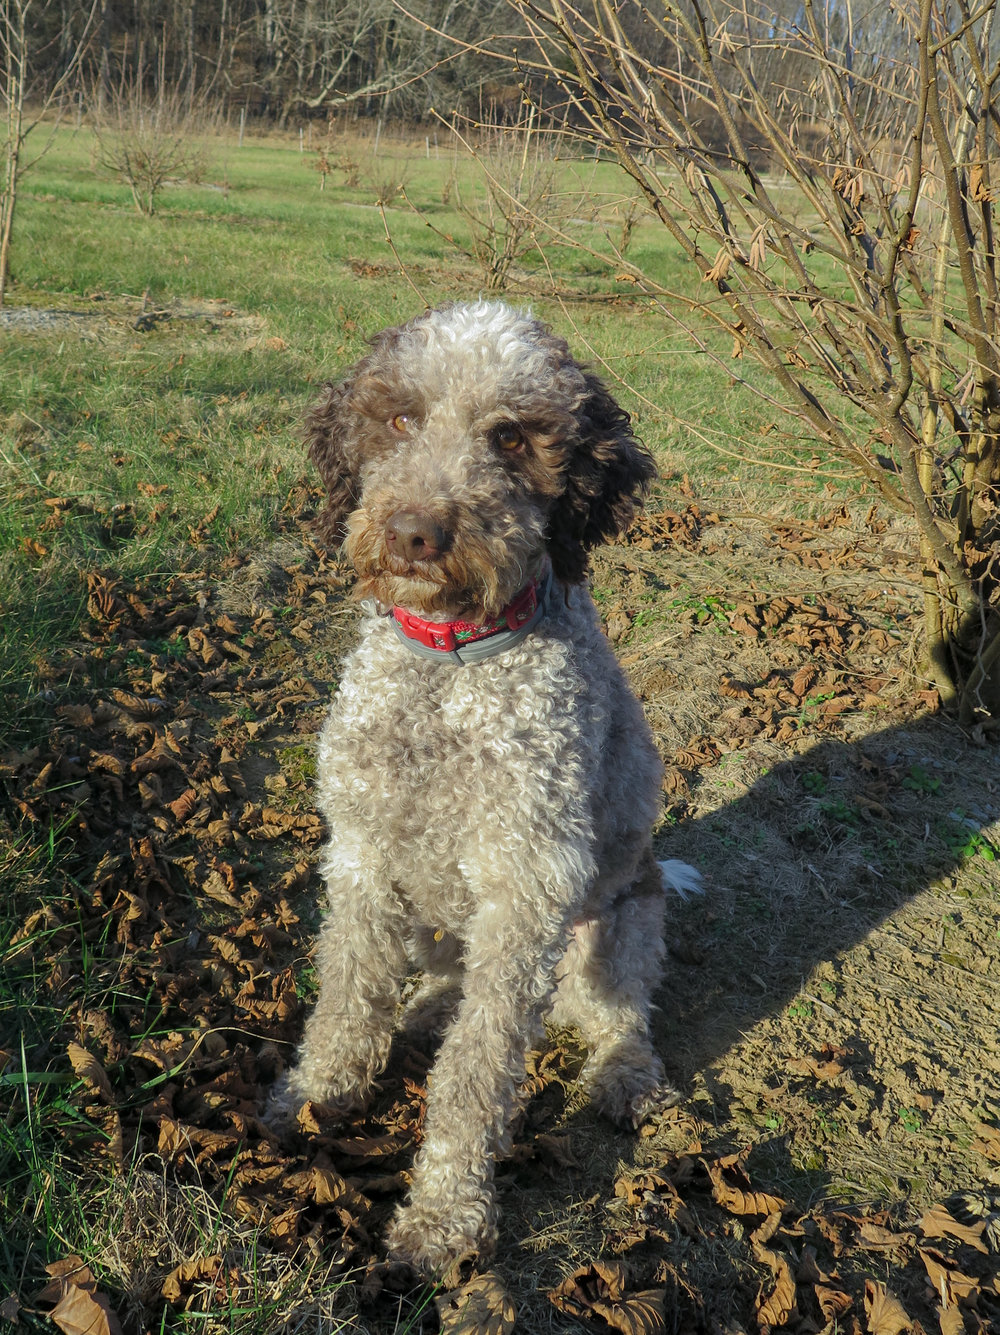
<point>464,447</point>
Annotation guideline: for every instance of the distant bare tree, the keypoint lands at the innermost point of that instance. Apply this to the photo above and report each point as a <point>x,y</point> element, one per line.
<point>517,184</point>
<point>149,140</point>
<point>834,183</point>
<point>22,35</point>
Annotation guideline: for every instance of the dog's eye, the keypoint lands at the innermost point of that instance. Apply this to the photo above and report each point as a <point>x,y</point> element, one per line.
<point>401,422</point>
<point>508,437</point>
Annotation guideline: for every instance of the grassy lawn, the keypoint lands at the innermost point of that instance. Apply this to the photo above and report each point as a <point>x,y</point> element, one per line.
<point>169,636</point>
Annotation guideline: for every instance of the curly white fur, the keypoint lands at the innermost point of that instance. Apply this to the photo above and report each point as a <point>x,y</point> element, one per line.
<point>490,822</point>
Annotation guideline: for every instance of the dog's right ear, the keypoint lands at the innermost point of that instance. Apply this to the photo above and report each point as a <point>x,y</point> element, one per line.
<point>327,435</point>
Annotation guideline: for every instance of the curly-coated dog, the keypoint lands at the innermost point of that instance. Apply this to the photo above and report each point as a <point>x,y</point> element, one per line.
<point>488,777</point>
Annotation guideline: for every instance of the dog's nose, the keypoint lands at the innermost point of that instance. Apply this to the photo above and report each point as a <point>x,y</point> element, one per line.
<point>415,536</point>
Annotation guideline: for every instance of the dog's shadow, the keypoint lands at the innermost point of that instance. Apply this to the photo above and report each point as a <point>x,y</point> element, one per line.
<point>806,864</point>
<point>832,922</point>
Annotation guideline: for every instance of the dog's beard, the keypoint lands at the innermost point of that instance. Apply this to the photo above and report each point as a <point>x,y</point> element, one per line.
<point>462,583</point>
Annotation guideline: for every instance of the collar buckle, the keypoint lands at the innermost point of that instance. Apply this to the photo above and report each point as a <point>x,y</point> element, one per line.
<point>432,634</point>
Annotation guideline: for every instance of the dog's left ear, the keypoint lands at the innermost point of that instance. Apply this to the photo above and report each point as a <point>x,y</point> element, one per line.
<point>607,474</point>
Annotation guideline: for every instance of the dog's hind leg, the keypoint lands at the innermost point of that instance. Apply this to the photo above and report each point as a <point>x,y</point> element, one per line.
<point>607,977</point>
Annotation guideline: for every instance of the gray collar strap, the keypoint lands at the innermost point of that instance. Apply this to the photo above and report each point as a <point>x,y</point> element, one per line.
<point>488,646</point>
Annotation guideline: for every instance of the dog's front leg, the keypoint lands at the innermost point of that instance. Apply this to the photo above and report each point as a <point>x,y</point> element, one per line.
<point>509,968</point>
<point>361,964</point>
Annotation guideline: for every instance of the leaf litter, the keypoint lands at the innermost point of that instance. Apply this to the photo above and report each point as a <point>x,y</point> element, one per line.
<point>177,783</point>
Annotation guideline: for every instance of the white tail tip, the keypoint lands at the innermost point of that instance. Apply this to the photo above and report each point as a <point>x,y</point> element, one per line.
<point>681,877</point>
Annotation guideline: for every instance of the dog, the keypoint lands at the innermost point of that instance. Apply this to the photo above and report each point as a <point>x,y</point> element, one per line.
<point>487,776</point>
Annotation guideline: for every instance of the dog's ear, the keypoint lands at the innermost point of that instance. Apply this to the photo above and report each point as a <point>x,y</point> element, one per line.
<point>607,473</point>
<point>328,432</point>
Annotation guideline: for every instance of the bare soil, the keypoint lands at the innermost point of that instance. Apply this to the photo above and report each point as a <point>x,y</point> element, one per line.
<point>830,1009</point>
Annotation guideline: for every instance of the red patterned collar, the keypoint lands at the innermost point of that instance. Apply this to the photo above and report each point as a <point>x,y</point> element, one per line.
<point>467,641</point>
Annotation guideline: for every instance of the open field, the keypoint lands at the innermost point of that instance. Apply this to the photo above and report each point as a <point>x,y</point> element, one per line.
<point>169,637</point>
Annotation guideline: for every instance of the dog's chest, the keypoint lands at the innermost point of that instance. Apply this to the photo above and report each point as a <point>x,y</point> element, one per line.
<point>428,757</point>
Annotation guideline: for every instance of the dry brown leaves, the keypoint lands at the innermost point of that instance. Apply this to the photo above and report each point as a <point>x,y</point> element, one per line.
<point>597,1292</point>
<point>479,1307</point>
<point>181,870</point>
<point>653,530</point>
<point>805,1286</point>
<point>78,1306</point>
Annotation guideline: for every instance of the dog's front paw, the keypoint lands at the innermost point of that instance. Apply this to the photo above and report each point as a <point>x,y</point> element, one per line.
<point>433,1241</point>
<point>289,1095</point>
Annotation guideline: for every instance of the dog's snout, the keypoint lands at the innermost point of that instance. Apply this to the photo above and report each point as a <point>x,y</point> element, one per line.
<point>415,535</point>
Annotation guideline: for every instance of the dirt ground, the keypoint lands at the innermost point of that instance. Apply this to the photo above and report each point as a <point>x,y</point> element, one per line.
<point>830,1007</point>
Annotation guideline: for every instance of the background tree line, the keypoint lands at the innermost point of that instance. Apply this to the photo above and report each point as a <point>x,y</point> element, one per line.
<point>274,58</point>
<point>397,58</point>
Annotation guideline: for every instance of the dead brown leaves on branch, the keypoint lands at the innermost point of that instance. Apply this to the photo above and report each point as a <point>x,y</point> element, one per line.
<point>862,284</point>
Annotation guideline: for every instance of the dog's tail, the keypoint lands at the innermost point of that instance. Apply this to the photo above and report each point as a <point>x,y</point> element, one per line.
<point>681,877</point>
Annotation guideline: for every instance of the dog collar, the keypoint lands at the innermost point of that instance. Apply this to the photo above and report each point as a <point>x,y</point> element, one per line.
<point>471,642</point>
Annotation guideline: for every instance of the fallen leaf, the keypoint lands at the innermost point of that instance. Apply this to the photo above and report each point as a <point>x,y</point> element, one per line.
<point>81,1313</point>
<point>884,1312</point>
<point>577,1293</point>
<point>370,1147</point>
<point>598,1290</point>
<point>833,1303</point>
<point>875,1236</point>
<point>189,1272</point>
<point>761,1236</point>
<point>938,1222</point>
<point>135,705</point>
<point>779,1307</point>
<point>90,1071</point>
<point>988,1143</point>
<point>732,1190</point>
<point>947,1281</point>
<point>329,1187</point>
<point>479,1307</point>
<point>637,1314</point>
<point>70,1270</point>
<point>79,1308</point>
<point>950,1321</point>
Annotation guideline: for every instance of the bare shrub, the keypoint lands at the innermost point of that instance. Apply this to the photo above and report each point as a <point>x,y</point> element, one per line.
<point>518,188</point>
<point>626,214</point>
<point>381,167</point>
<point>835,185</point>
<point>149,141</point>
